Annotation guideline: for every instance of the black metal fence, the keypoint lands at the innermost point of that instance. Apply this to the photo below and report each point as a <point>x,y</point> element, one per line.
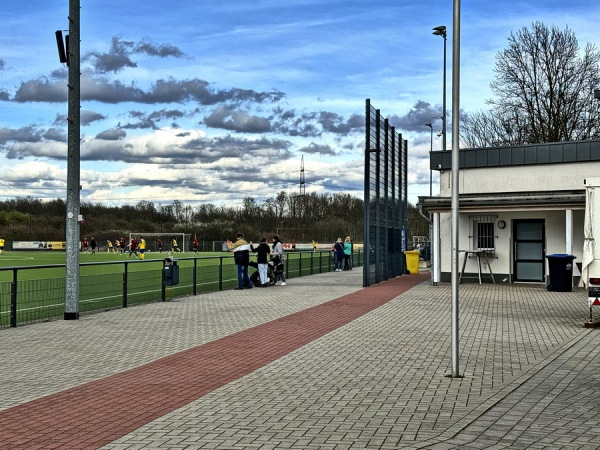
<point>385,199</point>
<point>37,293</point>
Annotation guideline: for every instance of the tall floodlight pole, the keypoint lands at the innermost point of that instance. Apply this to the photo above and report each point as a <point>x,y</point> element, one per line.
<point>455,183</point>
<point>441,31</point>
<point>431,247</point>
<point>73,158</point>
<point>430,125</point>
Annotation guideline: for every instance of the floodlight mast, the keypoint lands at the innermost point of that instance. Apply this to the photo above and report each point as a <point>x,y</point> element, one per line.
<point>73,170</point>
<point>441,31</point>
<point>430,125</point>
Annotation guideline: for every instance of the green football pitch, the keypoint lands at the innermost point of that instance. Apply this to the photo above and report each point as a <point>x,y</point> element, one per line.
<point>25,258</point>
<point>32,284</point>
<point>89,262</point>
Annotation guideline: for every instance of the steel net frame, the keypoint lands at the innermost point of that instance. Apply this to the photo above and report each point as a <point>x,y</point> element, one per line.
<point>385,199</point>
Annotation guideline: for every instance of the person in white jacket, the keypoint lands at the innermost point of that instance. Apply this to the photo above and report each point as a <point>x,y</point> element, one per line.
<point>277,255</point>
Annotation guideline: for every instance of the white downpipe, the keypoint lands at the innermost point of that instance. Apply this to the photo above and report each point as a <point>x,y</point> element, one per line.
<point>435,254</point>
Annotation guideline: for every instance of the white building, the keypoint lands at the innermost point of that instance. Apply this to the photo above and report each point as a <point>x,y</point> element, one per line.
<point>516,205</point>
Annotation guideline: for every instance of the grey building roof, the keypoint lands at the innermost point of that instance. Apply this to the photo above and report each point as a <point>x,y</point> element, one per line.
<point>518,155</point>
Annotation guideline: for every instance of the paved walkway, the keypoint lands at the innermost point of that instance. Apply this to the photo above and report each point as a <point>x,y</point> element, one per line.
<point>318,364</point>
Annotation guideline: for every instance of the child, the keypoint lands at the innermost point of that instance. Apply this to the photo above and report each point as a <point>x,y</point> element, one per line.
<point>262,251</point>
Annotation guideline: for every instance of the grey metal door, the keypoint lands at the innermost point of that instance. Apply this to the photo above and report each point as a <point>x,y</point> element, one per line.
<point>529,254</point>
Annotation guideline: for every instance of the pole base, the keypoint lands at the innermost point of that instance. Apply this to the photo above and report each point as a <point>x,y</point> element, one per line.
<point>591,324</point>
<point>71,315</point>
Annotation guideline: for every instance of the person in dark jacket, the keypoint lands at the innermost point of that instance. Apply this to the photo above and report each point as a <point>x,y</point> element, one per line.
<point>262,260</point>
<point>339,253</point>
<point>241,256</point>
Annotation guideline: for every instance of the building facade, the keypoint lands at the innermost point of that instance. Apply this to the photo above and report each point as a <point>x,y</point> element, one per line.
<point>516,206</point>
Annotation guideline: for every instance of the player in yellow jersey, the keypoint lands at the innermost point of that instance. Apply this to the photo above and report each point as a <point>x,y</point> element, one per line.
<point>1,245</point>
<point>142,247</point>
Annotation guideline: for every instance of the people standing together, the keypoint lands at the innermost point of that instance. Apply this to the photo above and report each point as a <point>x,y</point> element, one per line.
<point>241,254</point>
<point>341,253</point>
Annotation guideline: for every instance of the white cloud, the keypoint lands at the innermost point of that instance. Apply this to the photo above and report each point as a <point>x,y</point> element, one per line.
<point>237,63</point>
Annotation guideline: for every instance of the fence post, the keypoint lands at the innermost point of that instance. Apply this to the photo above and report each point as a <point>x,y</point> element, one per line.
<point>13,299</point>
<point>125,285</point>
<point>311,264</point>
<point>220,273</point>
<point>194,275</point>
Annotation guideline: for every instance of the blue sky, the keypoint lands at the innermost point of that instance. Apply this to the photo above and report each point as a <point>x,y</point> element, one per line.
<point>206,101</point>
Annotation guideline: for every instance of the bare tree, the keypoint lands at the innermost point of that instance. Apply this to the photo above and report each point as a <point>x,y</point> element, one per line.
<point>494,128</point>
<point>543,91</point>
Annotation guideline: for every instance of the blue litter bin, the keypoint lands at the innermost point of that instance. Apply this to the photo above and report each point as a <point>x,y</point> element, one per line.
<point>560,267</point>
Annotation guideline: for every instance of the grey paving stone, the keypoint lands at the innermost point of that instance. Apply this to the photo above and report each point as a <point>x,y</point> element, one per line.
<point>530,369</point>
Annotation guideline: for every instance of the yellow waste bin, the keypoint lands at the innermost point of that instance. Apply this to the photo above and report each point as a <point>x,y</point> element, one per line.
<point>412,261</point>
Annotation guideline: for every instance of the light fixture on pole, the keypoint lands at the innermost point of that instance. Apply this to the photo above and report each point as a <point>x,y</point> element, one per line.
<point>441,31</point>
<point>430,125</point>
<point>74,218</point>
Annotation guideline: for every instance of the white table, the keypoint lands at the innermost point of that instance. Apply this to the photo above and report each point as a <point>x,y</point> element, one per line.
<point>476,254</point>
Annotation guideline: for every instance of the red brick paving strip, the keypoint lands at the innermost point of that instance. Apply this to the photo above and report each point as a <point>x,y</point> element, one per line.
<point>97,413</point>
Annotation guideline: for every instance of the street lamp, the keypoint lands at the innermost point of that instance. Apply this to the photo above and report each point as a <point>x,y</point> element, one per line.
<point>431,241</point>
<point>430,125</point>
<point>441,31</point>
